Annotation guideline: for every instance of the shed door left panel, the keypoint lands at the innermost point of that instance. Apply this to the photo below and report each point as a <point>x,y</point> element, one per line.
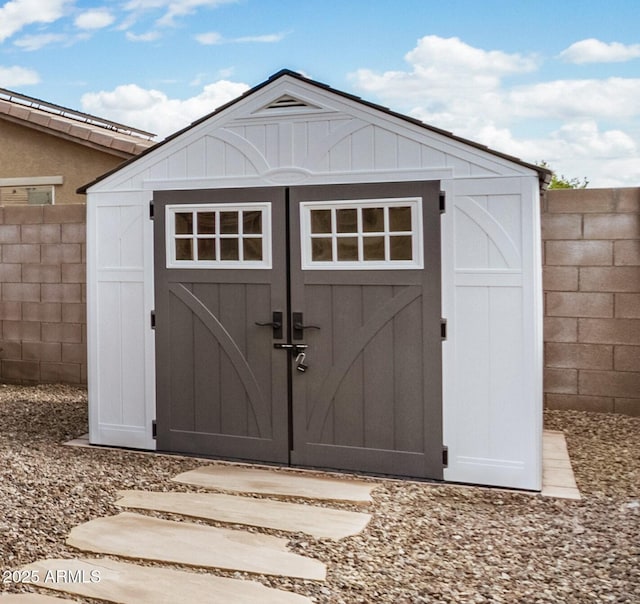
<point>220,382</point>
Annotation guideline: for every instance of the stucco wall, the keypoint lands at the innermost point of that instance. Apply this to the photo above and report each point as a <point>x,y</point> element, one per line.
<point>27,152</point>
<point>591,260</point>
<point>42,294</point>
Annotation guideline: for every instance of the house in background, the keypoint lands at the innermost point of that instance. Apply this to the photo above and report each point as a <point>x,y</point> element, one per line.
<point>46,153</point>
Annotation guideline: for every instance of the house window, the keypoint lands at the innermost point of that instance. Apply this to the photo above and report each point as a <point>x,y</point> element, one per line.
<point>377,234</point>
<point>219,235</point>
<point>27,195</point>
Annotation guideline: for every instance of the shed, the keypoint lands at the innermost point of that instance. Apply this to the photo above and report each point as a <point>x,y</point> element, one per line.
<point>303,277</point>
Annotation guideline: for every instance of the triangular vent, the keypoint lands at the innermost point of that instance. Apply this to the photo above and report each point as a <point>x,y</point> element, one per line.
<point>289,102</point>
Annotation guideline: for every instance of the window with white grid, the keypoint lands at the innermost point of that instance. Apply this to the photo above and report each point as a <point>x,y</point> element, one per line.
<point>377,234</point>
<point>219,235</point>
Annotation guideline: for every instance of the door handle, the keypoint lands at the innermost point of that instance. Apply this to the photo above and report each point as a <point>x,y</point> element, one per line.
<point>276,323</point>
<point>299,326</point>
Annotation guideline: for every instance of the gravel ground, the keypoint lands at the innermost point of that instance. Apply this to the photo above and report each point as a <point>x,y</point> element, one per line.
<point>426,543</point>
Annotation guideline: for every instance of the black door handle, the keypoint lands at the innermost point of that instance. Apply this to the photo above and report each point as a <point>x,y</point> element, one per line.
<point>299,326</point>
<point>276,323</point>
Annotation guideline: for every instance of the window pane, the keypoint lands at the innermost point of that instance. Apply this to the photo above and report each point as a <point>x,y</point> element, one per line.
<point>373,248</point>
<point>252,222</point>
<point>206,249</point>
<point>184,223</point>
<point>348,248</point>
<point>229,249</point>
<point>206,223</point>
<point>400,248</point>
<point>252,248</point>
<point>184,249</point>
<point>373,220</point>
<point>321,249</point>
<point>400,219</point>
<point>228,222</point>
<point>320,221</point>
<point>347,220</point>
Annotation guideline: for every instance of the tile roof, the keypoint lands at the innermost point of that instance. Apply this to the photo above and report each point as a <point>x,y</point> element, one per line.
<point>82,128</point>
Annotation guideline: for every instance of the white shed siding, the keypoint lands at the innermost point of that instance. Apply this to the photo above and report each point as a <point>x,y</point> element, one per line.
<point>493,358</point>
<point>490,246</point>
<point>119,300</point>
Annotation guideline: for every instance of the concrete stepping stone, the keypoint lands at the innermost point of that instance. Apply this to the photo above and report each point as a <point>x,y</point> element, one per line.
<point>30,599</point>
<point>143,537</point>
<point>280,515</point>
<point>127,583</point>
<point>271,482</point>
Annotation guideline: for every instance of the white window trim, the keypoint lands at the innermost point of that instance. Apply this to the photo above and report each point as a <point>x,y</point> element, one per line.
<point>31,181</point>
<point>390,202</point>
<point>171,236</point>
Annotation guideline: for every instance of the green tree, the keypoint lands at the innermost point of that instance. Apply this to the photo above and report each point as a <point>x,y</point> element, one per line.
<point>562,182</point>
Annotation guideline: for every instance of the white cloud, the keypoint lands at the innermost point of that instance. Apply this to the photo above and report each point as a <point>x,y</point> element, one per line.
<point>210,38</point>
<point>94,19</point>
<point>154,111</point>
<point>596,51</point>
<point>610,98</point>
<point>263,39</point>
<point>38,41</point>
<point>173,9</point>
<point>578,126</point>
<point>213,37</point>
<point>11,77</point>
<point>17,14</point>
<point>150,36</point>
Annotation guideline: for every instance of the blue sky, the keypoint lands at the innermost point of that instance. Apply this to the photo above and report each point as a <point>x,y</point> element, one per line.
<point>546,80</point>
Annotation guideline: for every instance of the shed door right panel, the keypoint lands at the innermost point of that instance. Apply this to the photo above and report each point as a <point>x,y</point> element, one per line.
<point>371,398</point>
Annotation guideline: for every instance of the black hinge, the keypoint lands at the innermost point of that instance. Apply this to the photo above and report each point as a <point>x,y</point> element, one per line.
<point>445,457</point>
<point>443,329</point>
<point>443,199</point>
<point>151,209</point>
<point>154,429</point>
<point>153,319</point>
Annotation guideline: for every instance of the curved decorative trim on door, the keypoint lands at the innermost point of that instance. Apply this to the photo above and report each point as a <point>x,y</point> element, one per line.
<point>348,356</point>
<point>232,351</point>
<point>493,229</point>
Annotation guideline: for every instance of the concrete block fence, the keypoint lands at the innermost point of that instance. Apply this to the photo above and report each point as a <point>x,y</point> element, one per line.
<point>42,294</point>
<point>591,276</point>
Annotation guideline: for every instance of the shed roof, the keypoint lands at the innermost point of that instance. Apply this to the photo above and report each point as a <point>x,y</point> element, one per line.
<point>544,174</point>
<point>82,128</point>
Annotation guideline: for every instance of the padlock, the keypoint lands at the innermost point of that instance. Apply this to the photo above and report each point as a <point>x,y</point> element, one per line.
<point>300,366</point>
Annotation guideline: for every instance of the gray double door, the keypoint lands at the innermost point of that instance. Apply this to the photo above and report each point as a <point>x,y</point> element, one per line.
<point>230,379</point>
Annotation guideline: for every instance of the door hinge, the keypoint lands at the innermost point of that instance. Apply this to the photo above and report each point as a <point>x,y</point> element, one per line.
<point>443,199</point>
<point>153,319</point>
<point>443,329</point>
<point>151,209</point>
<point>445,456</point>
<point>154,429</point>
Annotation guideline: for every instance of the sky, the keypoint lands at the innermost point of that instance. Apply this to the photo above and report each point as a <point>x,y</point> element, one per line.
<point>547,80</point>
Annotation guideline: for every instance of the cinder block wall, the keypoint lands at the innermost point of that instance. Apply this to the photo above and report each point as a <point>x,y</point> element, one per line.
<point>42,294</point>
<point>591,256</point>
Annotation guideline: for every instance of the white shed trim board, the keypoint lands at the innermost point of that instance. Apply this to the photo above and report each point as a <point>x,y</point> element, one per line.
<point>491,281</point>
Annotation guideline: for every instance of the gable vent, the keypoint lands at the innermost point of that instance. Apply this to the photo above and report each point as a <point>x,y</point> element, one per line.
<point>286,102</point>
